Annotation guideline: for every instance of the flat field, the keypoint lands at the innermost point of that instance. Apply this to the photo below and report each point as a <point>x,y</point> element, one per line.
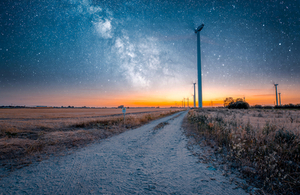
<point>55,113</point>
<point>45,118</point>
<point>32,134</point>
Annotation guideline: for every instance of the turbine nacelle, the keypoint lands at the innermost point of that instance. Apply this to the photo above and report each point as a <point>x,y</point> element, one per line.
<point>199,28</point>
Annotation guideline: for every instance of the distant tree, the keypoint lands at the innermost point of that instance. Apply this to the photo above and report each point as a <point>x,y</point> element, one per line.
<point>239,103</point>
<point>239,100</point>
<point>289,106</point>
<point>228,101</point>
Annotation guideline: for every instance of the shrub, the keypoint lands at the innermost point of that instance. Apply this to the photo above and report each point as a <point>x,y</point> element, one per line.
<point>284,137</point>
<point>257,106</point>
<point>238,105</point>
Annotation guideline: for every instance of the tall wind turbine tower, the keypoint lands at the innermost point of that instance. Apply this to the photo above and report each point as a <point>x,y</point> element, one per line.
<point>188,104</point>
<point>197,31</point>
<point>184,102</point>
<point>279,99</point>
<point>276,94</point>
<point>194,95</point>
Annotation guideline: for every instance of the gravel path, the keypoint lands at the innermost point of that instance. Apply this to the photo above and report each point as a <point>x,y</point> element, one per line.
<point>147,160</point>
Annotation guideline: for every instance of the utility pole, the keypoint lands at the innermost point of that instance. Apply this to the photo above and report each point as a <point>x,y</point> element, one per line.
<point>188,105</point>
<point>184,102</point>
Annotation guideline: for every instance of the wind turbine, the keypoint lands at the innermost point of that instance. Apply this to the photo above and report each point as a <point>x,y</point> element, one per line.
<point>279,99</point>
<point>197,31</point>
<point>276,93</point>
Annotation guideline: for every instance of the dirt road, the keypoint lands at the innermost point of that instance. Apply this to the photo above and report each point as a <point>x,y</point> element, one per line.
<point>152,159</point>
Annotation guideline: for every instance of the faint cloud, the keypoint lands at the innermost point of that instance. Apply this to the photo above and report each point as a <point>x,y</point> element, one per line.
<point>94,9</point>
<point>81,2</point>
<point>103,27</point>
<point>120,45</point>
<point>102,21</point>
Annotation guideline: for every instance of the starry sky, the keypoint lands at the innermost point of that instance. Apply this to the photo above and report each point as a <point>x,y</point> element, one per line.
<point>143,52</point>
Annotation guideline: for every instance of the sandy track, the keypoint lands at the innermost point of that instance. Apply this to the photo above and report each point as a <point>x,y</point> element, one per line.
<point>152,159</point>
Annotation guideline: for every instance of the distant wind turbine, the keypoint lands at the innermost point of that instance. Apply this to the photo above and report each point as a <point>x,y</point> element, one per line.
<point>276,93</point>
<point>197,31</point>
<point>279,99</point>
<point>194,95</point>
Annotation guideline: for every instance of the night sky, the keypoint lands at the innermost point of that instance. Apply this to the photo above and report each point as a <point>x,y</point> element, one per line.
<point>143,52</point>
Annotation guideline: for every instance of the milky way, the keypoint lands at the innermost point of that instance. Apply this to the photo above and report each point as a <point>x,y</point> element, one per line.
<point>117,47</point>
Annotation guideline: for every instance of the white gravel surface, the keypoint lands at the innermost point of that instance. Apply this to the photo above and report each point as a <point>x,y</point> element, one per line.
<point>139,161</point>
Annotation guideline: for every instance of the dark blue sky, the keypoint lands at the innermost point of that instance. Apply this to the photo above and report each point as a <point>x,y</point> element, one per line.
<point>80,50</point>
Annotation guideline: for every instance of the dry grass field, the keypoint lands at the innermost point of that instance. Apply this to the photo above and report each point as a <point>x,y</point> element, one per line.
<point>264,145</point>
<point>33,134</point>
<point>45,118</point>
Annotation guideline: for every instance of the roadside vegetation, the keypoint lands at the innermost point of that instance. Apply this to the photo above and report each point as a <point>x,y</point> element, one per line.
<point>285,106</point>
<point>21,145</point>
<point>264,145</point>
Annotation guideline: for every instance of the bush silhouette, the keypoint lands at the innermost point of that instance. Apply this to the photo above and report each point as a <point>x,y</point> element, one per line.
<point>238,105</point>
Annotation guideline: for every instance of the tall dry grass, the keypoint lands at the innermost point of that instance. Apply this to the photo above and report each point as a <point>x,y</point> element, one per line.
<point>263,144</point>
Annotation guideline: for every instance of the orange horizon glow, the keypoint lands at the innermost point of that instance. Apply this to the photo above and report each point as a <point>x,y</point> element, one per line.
<point>150,102</point>
<point>160,98</point>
